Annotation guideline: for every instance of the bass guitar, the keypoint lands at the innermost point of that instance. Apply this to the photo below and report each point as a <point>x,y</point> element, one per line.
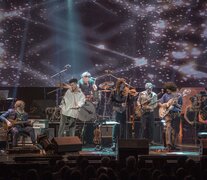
<point>168,106</point>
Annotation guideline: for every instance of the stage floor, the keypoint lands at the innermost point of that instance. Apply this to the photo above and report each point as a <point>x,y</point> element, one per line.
<point>191,151</point>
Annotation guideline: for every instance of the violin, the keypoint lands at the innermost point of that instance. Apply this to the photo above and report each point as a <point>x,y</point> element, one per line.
<point>127,91</point>
<point>97,135</point>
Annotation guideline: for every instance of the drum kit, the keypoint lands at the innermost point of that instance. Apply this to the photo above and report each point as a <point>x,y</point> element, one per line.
<point>88,112</point>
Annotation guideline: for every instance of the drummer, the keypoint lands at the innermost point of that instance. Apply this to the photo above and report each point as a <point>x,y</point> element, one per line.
<point>87,85</point>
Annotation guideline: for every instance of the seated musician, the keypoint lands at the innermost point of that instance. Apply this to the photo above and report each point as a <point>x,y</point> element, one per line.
<point>17,122</point>
<point>87,85</point>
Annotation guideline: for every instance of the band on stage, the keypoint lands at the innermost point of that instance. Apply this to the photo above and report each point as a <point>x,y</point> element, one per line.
<point>82,98</point>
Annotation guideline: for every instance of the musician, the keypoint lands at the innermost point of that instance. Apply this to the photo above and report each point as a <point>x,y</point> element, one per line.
<point>171,101</point>
<point>118,100</point>
<point>191,112</point>
<point>70,104</point>
<point>203,107</point>
<point>147,102</point>
<point>87,85</point>
<point>18,113</point>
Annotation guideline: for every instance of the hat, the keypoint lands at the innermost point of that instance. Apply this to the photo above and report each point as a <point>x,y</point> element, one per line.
<point>86,74</point>
<point>74,80</point>
<point>149,85</point>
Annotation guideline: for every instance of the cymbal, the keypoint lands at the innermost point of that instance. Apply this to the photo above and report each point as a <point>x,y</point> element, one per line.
<point>106,85</point>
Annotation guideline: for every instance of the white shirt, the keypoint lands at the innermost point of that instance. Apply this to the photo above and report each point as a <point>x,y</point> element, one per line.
<point>71,103</point>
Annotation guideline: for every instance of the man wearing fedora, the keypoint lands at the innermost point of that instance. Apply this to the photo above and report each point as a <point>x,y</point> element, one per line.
<point>147,102</point>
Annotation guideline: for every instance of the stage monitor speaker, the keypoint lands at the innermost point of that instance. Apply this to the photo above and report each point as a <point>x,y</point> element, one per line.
<point>132,147</point>
<point>203,146</point>
<point>67,144</point>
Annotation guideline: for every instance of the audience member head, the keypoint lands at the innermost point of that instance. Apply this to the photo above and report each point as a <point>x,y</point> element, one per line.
<point>105,161</point>
<point>76,175</point>
<point>131,162</point>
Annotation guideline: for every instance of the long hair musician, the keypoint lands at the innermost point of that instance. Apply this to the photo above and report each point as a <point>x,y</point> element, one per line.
<point>17,122</point>
<point>118,100</point>
<point>170,108</point>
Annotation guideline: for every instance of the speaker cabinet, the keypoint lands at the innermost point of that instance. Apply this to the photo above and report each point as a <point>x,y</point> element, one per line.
<point>132,147</point>
<point>67,144</point>
<point>203,146</point>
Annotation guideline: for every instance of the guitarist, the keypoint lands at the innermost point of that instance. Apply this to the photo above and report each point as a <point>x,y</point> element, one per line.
<point>18,113</point>
<point>171,99</point>
<point>147,102</point>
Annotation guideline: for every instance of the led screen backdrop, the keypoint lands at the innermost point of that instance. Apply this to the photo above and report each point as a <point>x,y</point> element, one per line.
<point>157,41</point>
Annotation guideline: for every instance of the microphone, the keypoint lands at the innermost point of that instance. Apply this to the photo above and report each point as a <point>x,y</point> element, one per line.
<point>92,78</point>
<point>67,66</point>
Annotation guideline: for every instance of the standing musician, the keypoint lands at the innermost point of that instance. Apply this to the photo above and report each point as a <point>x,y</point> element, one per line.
<point>192,110</point>
<point>118,100</point>
<point>203,107</point>
<point>146,103</point>
<point>20,124</point>
<point>171,104</point>
<point>87,85</point>
<point>70,104</point>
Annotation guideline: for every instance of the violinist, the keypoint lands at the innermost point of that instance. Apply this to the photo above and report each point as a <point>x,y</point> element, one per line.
<point>118,100</point>
<point>146,103</point>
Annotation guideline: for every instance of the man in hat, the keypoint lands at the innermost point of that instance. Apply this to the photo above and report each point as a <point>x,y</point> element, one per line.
<point>70,104</point>
<point>171,103</point>
<point>147,102</point>
<point>87,85</point>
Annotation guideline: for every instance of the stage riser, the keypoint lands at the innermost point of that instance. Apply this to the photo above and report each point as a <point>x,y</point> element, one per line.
<point>49,132</point>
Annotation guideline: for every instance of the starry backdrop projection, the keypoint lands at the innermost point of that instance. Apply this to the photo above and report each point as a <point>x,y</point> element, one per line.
<point>140,40</point>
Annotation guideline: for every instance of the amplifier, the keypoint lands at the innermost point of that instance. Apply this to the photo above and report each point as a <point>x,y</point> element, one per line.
<point>106,130</point>
<point>40,123</point>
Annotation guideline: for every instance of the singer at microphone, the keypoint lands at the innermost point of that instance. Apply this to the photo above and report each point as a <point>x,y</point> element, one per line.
<point>87,85</point>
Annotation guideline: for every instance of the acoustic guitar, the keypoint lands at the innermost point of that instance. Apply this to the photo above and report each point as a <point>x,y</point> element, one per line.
<point>17,122</point>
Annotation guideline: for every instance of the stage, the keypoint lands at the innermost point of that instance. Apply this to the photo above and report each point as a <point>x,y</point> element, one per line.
<point>94,156</point>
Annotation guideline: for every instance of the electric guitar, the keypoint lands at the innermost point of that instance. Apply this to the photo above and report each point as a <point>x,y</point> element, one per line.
<point>140,109</point>
<point>168,106</point>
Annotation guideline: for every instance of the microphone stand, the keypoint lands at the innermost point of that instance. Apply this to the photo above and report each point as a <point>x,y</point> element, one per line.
<point>58,90</point>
